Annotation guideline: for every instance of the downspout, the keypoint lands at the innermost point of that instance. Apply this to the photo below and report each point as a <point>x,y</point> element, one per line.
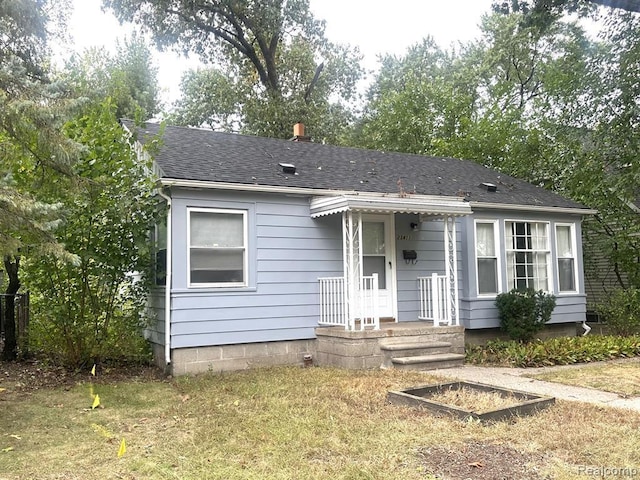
<point>167,284</point>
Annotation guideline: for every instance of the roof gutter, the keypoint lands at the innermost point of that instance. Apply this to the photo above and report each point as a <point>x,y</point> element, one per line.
<point>167,283</point>
<point>245,187</point>
<point>533,208</point>
<point>308,192</point>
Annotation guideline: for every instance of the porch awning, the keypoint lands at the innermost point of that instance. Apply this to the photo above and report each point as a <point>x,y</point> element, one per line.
<point>367,203</point>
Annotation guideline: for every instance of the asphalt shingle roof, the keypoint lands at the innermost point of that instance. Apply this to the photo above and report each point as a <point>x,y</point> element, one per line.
<point>205,155</point>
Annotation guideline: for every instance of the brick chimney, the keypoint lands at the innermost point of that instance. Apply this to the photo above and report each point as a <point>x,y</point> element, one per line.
<point>298,133</point>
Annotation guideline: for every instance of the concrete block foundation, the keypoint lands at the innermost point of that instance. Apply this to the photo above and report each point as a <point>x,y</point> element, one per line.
<point>224,358</point>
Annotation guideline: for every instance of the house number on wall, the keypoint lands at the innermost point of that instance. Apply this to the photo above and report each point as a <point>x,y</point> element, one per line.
<point>403,237</point>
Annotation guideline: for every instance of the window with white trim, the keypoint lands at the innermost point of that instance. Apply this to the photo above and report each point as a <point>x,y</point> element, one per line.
<point>565,247</point>
<point>217,247</point>
<point>487,257</point>
<point>527,249</point>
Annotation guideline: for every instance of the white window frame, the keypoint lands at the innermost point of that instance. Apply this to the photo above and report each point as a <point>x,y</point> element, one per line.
<point>245,272</point>
<point>497,245</point>
<point>509,250</point>
<point>574,247</point>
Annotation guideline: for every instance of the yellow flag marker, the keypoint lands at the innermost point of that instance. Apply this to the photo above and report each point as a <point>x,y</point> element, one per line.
<point>96,402</point>
<point>123,448</point>
<point>93,370</point>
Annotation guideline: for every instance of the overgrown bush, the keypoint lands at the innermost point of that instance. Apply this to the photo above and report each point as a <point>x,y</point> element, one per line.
<point>523,312</point>
<point>621,311</point>
<point>554,351</point>
<point>58,331</point>
<point>92,309</point>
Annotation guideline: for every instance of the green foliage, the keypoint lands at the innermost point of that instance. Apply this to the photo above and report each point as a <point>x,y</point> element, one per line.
<point>555,351</point>
<point>621,311</point>
<point>523,312</point>
<point>420,103</point>
<point>535,98</point>
<point>32,112</point>
<point>129,78</point>
<point>94,310</point>
<point>265,72</point>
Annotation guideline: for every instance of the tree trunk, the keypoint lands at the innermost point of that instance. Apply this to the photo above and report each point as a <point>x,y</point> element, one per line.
<point>10,351</point>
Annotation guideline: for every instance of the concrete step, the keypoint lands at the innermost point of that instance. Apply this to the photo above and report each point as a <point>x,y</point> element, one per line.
<point>429,362</point>
<point>413,349</point>
<point>398,347</point>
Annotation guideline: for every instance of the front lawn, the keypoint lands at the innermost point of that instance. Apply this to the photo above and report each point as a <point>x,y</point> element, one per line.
<point>290,423</point>
<point>622,378</point>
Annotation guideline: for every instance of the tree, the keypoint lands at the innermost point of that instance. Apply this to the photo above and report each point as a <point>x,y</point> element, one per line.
<point>129,78</point>
<point>609,175</point>
<point>94,310</point>
<point>555,8</point>
<point>419,102</point>
<point>32,110</point>
<point>547,105</point>
<point>271,65</point>
<point>493,100</point>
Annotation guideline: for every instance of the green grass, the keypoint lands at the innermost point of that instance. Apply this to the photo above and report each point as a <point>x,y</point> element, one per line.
<point>280,423</point>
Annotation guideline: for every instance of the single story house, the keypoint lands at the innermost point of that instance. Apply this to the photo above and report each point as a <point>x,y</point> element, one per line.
<point>283,251</point>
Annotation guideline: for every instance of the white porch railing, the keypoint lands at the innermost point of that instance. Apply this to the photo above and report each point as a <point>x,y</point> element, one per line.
<point>333,301</point>
<point>337,310</point>
<point>434,301</point>
<point>368,303</point>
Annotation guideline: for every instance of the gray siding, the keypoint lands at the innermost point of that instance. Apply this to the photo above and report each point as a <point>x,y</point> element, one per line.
<point>287,252</point>
<point>154,332</point>
<point>480,311</point>
<point>428,242</point>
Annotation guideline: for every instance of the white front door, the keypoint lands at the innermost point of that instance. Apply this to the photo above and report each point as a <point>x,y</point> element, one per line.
<point>378,256</point>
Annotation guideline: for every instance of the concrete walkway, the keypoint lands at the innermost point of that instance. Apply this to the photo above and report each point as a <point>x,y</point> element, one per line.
<point>515,378</point>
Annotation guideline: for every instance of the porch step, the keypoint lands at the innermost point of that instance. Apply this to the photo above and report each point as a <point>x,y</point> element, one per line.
<point>409,349</point>
<point>429,362</point>
<point>427,346</point>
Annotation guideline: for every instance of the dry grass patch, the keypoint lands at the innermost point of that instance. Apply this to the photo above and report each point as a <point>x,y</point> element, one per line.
<point>622,378</point>
<point>289,423</point>
<point>474,400</point>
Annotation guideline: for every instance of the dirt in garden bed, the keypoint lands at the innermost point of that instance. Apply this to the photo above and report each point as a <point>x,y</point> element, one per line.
<point>482,461</point>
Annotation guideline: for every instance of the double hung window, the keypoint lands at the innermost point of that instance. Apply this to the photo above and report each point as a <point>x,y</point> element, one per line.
<point>527,250</point>
<point>487,257</point>
<point>217,247</point>
<point>566,258</point>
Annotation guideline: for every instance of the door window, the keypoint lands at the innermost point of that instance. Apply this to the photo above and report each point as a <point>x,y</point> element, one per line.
<point>373,251</point>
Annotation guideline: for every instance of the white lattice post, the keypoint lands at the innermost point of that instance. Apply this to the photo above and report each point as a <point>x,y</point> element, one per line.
<point>451,265</point>
<point>352,239</point>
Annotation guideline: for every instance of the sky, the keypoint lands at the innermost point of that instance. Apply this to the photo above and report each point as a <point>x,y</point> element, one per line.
<point>374,26</point>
